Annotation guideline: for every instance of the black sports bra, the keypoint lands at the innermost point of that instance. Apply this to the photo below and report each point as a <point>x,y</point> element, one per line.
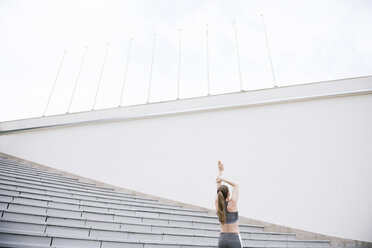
<point>231,217</point>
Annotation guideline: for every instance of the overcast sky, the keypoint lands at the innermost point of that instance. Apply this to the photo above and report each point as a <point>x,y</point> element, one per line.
<point>310,41</point>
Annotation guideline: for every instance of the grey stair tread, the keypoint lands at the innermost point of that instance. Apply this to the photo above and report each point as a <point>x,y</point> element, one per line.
<point>81,206</point>
<point>96,187</point>
<point>164,233</point>
<point>57,180</point>
<point>127,220</point>
<point>110,215</point>
<point>65,187</point>
<point>47,181</point>
<point>50,197</point>
<point>143,226</point>
<point>127,194</point>
<point>20,245</point>
<point>53,219</point>
<point>42,208</point>
<point>38,173</point>
<point>112,195</point>
<point>10,165</point>
<point>77,197</point>
<point>123,206</point>
<point>81,194</point>
<point>31,170</point>
<point>104,239</point>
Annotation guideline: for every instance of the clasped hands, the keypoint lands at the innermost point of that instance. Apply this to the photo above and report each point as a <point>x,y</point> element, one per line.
<point>220,169</point>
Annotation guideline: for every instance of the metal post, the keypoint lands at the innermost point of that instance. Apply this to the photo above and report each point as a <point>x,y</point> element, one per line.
<point>268,52</point>
<point>152,62</point>
<point>125,72</point>
<point>237,55</point>
<point>207,59</point>
<point>100,75</point>
<point>77,79</point>
<point>179,64</point>
<point>55,80</point>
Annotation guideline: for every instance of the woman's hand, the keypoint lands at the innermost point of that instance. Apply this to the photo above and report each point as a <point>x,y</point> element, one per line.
<point>220,170</point>
<point>220,166</point>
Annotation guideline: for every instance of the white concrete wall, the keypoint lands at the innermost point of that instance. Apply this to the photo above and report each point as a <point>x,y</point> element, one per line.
<point>306,164</point>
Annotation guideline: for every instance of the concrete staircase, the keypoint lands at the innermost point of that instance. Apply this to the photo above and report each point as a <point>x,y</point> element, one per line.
<point>44,209</point>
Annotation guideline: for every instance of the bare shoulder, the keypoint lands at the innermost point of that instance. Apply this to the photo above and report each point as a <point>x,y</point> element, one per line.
<point>232,206</point>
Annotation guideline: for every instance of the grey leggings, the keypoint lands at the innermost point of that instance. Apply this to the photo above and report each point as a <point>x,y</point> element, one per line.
<point>229,240</point>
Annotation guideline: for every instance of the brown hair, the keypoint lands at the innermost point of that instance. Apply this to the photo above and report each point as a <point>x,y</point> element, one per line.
<point>222,195</point>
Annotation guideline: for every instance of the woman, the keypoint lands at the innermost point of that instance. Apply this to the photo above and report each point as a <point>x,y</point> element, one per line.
<point>227,211</point>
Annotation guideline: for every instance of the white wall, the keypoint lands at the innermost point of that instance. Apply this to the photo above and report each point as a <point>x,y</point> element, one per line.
<point>303,164</point>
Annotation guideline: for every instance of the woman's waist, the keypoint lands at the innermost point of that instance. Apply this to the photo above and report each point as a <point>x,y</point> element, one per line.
<point>229,233</point>
<point>230,228</point>
<point>230,225</point>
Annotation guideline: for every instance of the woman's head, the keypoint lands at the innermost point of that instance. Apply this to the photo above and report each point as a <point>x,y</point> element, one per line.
<point>223,194</point>
<point>224,190</point>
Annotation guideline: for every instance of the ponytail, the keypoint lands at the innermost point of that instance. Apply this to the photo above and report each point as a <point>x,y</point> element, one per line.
<point>221,208</point>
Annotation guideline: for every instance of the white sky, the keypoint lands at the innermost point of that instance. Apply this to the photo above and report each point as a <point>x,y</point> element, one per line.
<point>310,41</point>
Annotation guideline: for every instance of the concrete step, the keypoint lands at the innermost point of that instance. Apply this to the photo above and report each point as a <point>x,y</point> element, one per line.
<point>16,245</point>
<point>68,190</point>
<point>144,224</point>
<point>73,197</point>
<point>61,191</point>
<point>37,172</point>
<point>59,182</point>
<point>114,193</point>
<point>19,165</point>
<point>9,191</point>
<point>42,173</point>
<point>38,213</point>
<point>61,201</point>
<point>65,240</point>
<point>68,187</point>
<point>104,214</point>
<point>55,185</point>
<point>246,231</point>
<point>14,163</point>
<point>32,170</point>
<point>39,208</point>
<point>171,235</point>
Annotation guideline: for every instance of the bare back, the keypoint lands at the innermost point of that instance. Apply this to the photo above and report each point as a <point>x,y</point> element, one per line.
<point>233,227</point>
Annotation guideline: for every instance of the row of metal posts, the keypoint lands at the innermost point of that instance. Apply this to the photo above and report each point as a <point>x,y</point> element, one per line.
<point>151,67</point>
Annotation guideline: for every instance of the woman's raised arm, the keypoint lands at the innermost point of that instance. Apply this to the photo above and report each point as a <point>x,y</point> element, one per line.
<point>220,170</point>
<point>235,191</point>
